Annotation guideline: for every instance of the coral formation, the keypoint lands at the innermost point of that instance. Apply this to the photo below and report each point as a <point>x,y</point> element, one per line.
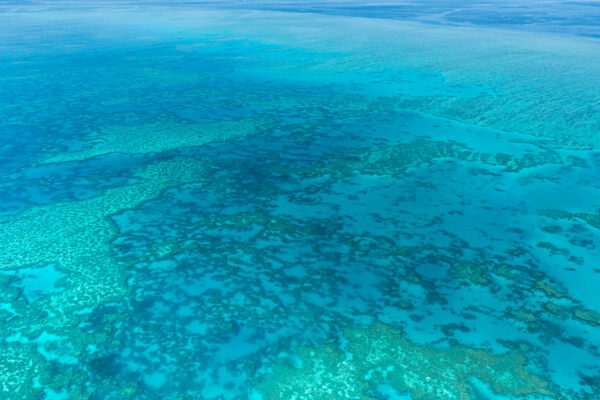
<point>158,137</point>
<point>380,355</point>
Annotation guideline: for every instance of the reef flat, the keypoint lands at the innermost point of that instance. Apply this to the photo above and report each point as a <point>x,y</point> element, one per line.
<point>75,237</point>
<point>247,204</point>
<point>154,138</point>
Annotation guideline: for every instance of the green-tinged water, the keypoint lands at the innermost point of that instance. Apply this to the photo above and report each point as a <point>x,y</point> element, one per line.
<point>247,204</point>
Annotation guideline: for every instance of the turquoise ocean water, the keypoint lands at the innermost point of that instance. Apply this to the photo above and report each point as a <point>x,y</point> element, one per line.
<point>300,200</point>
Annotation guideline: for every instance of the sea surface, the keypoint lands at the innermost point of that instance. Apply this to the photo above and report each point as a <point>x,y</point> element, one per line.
<point>300,200</point>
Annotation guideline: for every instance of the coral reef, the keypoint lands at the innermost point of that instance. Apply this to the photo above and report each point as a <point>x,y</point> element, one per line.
<point>380,355</point>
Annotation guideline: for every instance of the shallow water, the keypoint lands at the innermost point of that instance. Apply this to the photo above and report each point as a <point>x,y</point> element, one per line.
<point>237,202</point>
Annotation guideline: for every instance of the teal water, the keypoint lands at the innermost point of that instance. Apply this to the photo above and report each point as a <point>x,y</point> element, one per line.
<point>268,203</point>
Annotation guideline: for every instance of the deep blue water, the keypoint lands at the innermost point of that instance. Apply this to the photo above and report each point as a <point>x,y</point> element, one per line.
<point>299,201</point>
<point>561,16</point>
